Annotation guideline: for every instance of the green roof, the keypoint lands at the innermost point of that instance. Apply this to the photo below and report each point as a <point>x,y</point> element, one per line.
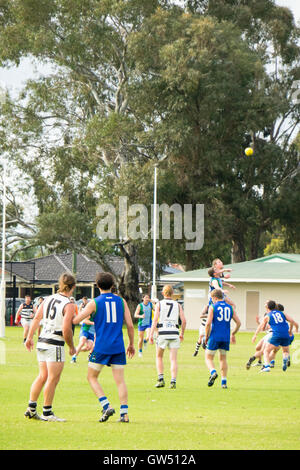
<point>278,267</point>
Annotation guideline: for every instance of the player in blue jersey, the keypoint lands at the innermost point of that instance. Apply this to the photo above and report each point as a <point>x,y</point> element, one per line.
<point>144,314</point>
<point>218,336</point>
<point>282,326</point>
<point>86,338</point>
<point>109,311</point>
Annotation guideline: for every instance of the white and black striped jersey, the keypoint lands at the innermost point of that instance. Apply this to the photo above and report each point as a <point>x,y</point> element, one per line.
<point>168,324</point>
<point>53,314</point>
<point>27,311</point>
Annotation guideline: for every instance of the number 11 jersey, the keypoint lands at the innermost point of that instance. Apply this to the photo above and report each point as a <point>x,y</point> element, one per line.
<point>108,321</point>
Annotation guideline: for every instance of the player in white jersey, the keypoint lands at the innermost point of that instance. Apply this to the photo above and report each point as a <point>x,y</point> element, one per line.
<point>57,313</point>
<point>25,313</point>
<point>166,320</point>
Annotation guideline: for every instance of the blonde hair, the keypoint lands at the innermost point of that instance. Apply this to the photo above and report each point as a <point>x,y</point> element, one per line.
<point>66,282</point>
<point>167,291</point>
<point>215,261</point>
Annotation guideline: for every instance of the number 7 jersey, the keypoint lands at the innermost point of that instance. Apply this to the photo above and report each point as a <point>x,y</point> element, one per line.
<point>53,314</point>
<point>168,326</point>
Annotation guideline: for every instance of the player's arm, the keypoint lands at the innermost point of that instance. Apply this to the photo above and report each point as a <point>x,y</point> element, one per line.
<point>33,327</point>
<point>69,313</point>
<point>154,322</point>
<point>237,326</point>
<point>87,321</point>
<point>130,330</point>
<point>137,312</point>
<point>229,285</point>
<point>260,327</point>
<point>183,322</point>
<point>210,317</point>
<point>86,312</point>
<point>292,324</point>
<point>18,314</point>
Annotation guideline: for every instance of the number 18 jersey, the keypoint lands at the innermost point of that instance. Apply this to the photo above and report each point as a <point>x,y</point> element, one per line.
<point>53,314</point>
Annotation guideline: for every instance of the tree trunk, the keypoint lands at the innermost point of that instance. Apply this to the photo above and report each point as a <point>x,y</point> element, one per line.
<point>128,284</point>
<point>238,251</point>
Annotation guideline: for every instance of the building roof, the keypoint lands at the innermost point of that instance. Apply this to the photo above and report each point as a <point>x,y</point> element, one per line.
<point>276,268</point>
<point>47,269</point>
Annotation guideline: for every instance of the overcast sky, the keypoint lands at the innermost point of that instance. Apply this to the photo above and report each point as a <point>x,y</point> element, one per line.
<point>14,78</point>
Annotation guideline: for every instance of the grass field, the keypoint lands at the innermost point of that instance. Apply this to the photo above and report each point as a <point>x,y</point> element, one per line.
<point>257,411</point>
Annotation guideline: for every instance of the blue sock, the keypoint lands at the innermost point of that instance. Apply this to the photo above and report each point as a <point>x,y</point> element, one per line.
<point>124,410</point>
<point>140,350</point>
<point>104,403</point>
<point>272,362</point>
<point>213,371</point>
<point>224,381</point>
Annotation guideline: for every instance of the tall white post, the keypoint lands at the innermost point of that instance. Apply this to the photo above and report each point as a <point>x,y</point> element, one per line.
<point>154,288</point>
<point>3,286</point>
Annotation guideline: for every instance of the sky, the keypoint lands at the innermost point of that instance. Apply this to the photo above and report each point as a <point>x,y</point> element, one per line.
<point>15,77</point>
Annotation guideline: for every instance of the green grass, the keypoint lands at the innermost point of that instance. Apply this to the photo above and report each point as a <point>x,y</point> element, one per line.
<point>257,411</point>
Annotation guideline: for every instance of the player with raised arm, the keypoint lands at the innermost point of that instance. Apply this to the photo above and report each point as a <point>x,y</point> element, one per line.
<point>109,311</point>
<point>217,335</point>
<point>166,319</point>
<point>57,313</point>
<point>282,326</point>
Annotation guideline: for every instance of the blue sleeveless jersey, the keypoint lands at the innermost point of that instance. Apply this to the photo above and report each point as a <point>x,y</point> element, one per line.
<point>108,322</point>
<point>278,323</point>
<point>220,329</point>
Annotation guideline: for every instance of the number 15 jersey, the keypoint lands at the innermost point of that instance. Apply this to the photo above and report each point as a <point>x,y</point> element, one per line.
<point>53,314</point>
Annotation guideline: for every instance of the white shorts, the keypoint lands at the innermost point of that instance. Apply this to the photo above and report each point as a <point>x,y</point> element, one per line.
<point>26,321</point>
<point>267,337</point>
<point>52,354</point>
<point>202,330</point>
<point>163,343</point>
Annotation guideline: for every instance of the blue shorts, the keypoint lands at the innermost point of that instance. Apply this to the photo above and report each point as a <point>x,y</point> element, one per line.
<point>213,345</point>
<point>143,327</point>
<point>280,341</point>
<point>108,359</point>
<point>87,335</point>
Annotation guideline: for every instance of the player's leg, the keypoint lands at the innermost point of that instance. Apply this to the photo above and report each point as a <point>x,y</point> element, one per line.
<point>35,391</point>
<point>94,370</point>
<point>267,351</point>
<point>118,375</point>
<point>174,366</point>
<point>140,342</point>
<point>209,359</point>
<point>223,367</point>
<point>54,372</point>
<point>285,357</point>
<point>160,367</point>
<point>257,355</point>
<point>26,326</point>
<point>201,333</point>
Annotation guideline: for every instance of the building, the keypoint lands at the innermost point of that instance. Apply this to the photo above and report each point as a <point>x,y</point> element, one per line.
<point>275,277</point>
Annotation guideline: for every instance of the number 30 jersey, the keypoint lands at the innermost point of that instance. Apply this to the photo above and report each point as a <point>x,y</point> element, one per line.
<point>220,329</point>
<point>53,314</point>
<point>168,326</point>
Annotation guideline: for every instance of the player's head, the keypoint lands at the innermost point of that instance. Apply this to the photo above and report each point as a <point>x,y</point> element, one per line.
<point>146,298</point>
<point>217,295</point>
<point>217,263</point>
<point>84,299</point>
<point>167,291</point>
<point>66,283</point>
<point>72,299</point>
<point>27,298</point>
<point>280,307</point>
<point>41,299</point>
<point>271,305</point>
<point>105,281</point>
<point>211,272</point>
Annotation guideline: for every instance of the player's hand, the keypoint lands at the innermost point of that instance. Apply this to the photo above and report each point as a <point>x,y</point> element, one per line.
<point>226,276</point>
<point>29,344</point>
<point>130,351</point>
<point>72,351</point>
<point>233,339</point>
<point>181,337</point>
<point>254,339</point>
